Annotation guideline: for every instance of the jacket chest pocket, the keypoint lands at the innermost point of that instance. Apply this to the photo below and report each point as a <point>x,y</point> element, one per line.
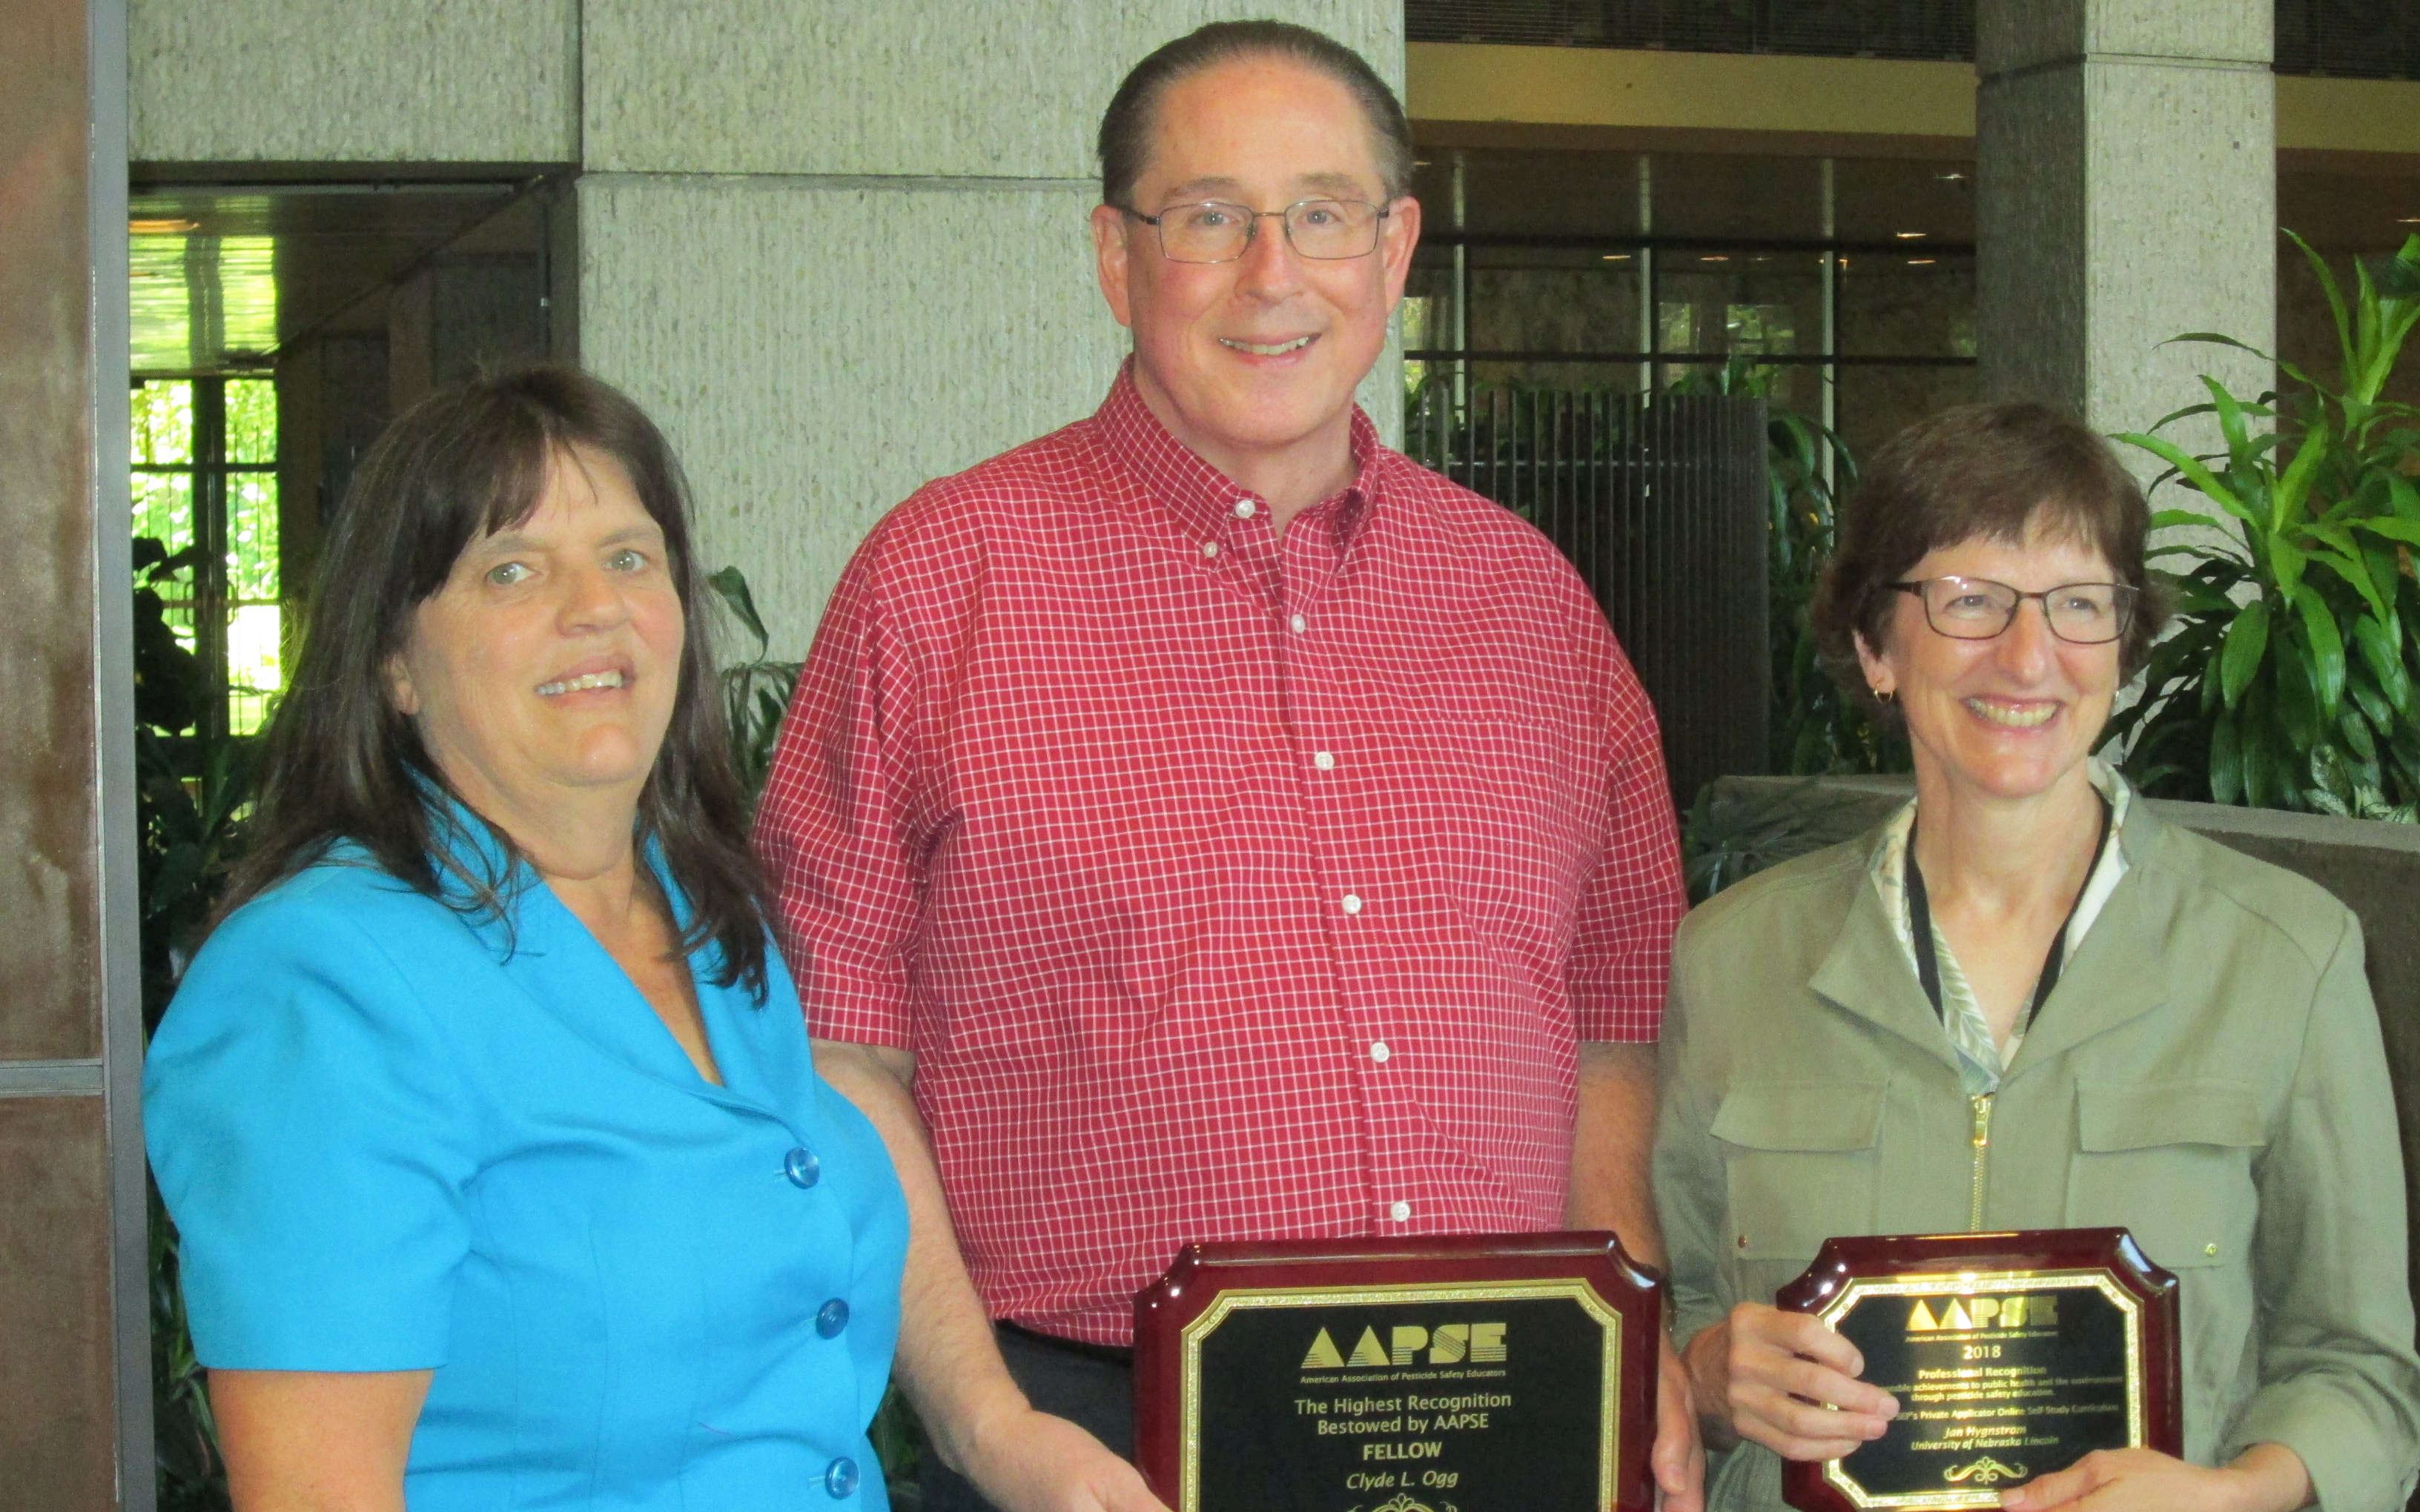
<point>1798,1165</point>
<point>2171,1162</point>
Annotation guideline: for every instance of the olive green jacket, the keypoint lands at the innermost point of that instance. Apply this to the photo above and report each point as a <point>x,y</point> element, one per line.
<point>2208,1073</point>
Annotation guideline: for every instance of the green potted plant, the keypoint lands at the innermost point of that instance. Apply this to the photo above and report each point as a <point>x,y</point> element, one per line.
<point>2288,680</point>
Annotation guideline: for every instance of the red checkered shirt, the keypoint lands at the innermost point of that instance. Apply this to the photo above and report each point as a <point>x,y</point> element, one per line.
<point>1223,886</point>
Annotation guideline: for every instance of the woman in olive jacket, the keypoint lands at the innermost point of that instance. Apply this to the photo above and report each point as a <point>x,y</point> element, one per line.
<point>2025,1002</point>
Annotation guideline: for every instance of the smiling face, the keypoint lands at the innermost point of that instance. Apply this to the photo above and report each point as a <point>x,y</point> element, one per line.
<point>2012,717</point>
<point>1252,358</point>
<point>546,664</point>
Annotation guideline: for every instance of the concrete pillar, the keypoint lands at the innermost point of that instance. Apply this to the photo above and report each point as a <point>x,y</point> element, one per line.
<point>839,250</point>
<point>2126,193</point>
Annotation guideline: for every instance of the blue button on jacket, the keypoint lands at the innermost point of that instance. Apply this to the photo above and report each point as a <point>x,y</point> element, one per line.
<point>394,1138</point>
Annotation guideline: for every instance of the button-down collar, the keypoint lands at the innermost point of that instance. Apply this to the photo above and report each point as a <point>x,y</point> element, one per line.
<point>1204,500</point>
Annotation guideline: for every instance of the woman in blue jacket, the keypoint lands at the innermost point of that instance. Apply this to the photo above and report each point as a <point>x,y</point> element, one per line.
<point>486,1115</point>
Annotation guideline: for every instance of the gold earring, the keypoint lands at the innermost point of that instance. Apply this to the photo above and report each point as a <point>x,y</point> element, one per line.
<point>1883,695</point>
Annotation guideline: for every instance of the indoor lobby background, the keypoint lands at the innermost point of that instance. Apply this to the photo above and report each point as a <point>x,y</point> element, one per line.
<point>839,250</point>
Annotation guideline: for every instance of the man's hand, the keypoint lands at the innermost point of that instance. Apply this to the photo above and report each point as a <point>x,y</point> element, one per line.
<point>2267,1477</point>
<point>1029,1462</point>
<point>1787,1383</point>
<point>1679,1459</point>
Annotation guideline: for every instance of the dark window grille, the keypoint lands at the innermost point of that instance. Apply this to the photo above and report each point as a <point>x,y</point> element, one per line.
<point>2350,38</point>
<point>1828,28</point>
<point>1661,505</point>
<point>2353,38</point>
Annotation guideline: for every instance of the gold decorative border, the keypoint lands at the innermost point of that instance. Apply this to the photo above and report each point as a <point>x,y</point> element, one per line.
<point>1199,1330</point>
<point>1968,1283</point>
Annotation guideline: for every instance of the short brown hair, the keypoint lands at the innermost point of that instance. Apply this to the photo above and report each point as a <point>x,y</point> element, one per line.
<point>1991,472</point>
<point>1127,125</point>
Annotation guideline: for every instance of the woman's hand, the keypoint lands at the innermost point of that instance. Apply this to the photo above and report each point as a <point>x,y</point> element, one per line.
<point>2267,1477</point>
<point>1030,1462</point>
<point>1786,1382</point>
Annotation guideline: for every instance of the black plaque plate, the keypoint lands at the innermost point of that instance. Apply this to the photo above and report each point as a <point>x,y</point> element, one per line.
<point>2012,1355</point>
<point>1458,1375</point>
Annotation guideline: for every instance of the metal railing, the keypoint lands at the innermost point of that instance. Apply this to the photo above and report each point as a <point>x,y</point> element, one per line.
<point>1660,505</point>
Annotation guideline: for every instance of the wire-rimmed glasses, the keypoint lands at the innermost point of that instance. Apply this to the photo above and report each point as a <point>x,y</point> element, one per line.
<point>1218,231</point>
<point>1977,609</point>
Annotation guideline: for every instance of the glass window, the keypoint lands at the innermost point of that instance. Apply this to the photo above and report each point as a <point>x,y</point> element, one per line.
<point>205,471</point>
<point>1596,271</point>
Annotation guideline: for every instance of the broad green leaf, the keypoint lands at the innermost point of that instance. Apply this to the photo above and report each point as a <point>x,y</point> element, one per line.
<point>2259,764</point>
<point>2285,500</point>
<point>2394,527</point>
<point>2195,473</point>
<point>2361,686</point>
<point>731,586</point>
<point>2354,728</point>
<point>2247,640</point>
<point>2225,762</point>
<point>2212,338</point>
<point>2336,299</point>
<point>2298,698</point>
<point>2382,649</point>
<point>2286,564</point>
<point>2326,647</point>
<point>2230,419</point>
<point>2403,496</point>
<point>2349,565</point>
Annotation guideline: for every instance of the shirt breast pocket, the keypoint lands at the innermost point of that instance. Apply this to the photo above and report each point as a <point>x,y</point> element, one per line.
<point>1798,1165</point>
<point>2171,1163</point>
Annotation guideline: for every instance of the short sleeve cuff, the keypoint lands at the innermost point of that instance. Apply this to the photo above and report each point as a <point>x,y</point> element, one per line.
<point>2337,1440</point>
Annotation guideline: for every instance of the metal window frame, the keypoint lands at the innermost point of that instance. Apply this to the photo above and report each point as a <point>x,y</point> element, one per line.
<point>207,465</point>
<point>121,962</point>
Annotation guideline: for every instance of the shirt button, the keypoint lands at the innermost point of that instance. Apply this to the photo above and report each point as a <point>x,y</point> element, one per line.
<point>831,1317</point>
<point>1299,623</point>
<point>1244,509</point>
<point>1352,902</point>
<point>1380,1053</point>
<point>1325,760</point>
<point>1209,548</point>
<point>801,1168</point>
<point>2210,1249</point>
<point>840,1479</point>
<point>1400,1211</point>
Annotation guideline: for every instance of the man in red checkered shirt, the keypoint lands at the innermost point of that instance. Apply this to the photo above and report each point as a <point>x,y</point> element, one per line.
<point>1205,823</point>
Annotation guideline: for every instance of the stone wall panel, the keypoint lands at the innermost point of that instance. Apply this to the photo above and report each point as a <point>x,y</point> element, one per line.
<point>910,88</point>
<point>354,81</point>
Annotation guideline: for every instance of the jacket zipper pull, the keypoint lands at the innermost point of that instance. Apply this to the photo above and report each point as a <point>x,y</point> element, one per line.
<point>1983,1138</point>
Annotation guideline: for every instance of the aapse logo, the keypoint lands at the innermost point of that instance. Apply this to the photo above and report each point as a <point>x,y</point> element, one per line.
<point>1966,1315</point>
<point>1447,1344</point>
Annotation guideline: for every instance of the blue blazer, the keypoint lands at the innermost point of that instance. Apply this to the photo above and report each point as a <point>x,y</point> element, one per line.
<point>395,1137</point>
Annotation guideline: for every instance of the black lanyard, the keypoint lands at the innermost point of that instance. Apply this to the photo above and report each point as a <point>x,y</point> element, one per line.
<point>1928,960</point>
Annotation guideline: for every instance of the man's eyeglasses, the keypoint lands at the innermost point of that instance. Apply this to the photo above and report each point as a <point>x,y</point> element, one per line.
<point>1977,609</point>
<point>1216,231</point>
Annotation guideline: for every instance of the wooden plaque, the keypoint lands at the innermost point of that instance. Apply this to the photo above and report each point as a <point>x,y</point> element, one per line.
<point>2012,1355</point>
<point>1474,1373</point>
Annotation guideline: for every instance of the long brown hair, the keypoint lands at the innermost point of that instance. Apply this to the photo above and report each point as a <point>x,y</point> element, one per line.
<point>338,762</point>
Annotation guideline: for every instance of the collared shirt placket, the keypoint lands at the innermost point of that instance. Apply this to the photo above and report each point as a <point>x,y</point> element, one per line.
<point>1311,623</point>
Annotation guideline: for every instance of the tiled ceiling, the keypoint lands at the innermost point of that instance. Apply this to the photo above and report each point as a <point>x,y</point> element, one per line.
<point>223,275</point>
